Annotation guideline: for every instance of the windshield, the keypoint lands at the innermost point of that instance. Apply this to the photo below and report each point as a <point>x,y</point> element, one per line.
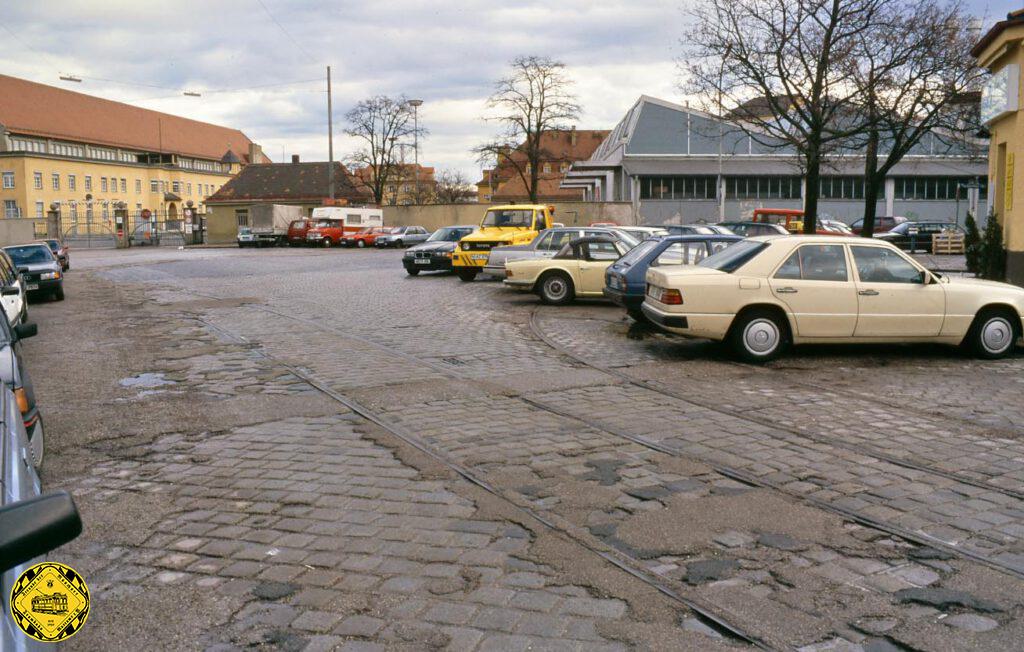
<point>398,230</point>
<point>29,254</point>
<point>449,234</point>
<point>323,224</point>
<point>732,258</point>
<point>638,252</point>
<point>519,218</point>
<point>242,230</point>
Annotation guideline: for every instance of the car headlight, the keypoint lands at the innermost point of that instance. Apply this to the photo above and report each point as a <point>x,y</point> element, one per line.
<point>465,246</point>
<point>49,276</point>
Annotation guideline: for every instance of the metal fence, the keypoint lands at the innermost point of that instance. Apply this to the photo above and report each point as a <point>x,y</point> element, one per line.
<point>128,229</point>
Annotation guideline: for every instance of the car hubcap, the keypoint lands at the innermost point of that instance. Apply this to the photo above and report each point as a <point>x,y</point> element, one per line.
<point>761,336</point>
<point>996,335</point>
<point>556,288</point>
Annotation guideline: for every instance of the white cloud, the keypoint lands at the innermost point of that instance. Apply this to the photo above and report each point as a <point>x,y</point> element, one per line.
<point>449,54</point>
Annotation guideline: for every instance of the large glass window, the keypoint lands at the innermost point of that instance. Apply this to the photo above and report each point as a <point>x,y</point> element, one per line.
<point>8,180</point>
<point>762,187</point>
<point>678,187</point>
<point>815,263</point>
<point>508,218</point>
<point>842,187</point>
<point>883,265</point>
<point>938,188</point>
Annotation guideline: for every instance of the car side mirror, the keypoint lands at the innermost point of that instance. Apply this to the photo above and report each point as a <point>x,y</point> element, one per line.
<point>26,329</point>
<point>922,277</point>
<point>29,528</point>
<point>10,291</point>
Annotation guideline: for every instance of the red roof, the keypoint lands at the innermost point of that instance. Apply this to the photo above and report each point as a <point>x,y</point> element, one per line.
<point>46,111</point>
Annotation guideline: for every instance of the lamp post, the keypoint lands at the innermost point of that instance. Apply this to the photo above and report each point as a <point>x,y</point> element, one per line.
<point>970,185</point>
<point>416,104</point>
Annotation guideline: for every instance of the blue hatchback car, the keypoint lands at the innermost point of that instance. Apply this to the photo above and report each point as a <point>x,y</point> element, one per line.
<point>624,279</point>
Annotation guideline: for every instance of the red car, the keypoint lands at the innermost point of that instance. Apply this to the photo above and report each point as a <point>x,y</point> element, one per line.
<point>365,237</point>
<point>297,231</point>
<point>326,233</point>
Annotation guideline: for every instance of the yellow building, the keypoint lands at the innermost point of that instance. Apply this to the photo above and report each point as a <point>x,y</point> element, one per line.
<point>402,188</point>
<point>88,155</point>
<point>1001,51</point>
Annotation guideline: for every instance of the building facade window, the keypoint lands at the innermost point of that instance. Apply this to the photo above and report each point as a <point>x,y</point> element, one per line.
<point>124,185</point>
<point>68,149</point>
<point>88,212</point>
<point>88,183</point>
<point>55,179</point>
<point>176,187</point>
<point>188,188</point>
<point>37,180</point>
<point>74,211</point>
<point>11,209</point>
<point>154,185</point>
<point>678,187</point>
<point>28,145</point>
<point>842,187</point>
<point>102,153</point>
<point>138,186</point>
<point>762,187</point>
<point>547,168</point>
<point>242,216</point>
<point>106,210</point>
<point>940,188</point>
<point>40,209</point>
<point>8,180</point>
<point>72,182</point>
<point>103,184</point>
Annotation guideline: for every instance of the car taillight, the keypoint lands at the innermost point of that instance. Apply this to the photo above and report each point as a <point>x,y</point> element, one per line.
<point>671,297</point>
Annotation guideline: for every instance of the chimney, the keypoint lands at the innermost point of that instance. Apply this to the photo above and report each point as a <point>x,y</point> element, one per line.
<point>572,136</point>
<point>255,153</point>
<point>295,158</point>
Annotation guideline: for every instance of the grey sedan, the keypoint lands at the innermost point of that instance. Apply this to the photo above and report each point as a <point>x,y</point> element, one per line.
<point>403,236</point>
<point>548,243</point>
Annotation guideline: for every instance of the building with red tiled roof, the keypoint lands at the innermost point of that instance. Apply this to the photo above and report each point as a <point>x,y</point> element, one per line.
<point>401,187</point>
<point>561,148</point>
<point>88,154</point>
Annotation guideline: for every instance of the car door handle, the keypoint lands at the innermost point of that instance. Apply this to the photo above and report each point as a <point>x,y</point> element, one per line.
<point>868,293</point>
<point>786,290</point>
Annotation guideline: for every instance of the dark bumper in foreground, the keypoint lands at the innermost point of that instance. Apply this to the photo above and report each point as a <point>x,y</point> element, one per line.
<point>660,319</point>
<point>620,298</point>
<point>431,265</point>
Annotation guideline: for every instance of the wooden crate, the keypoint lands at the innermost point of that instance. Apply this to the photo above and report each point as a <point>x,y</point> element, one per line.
<point>948,243</point>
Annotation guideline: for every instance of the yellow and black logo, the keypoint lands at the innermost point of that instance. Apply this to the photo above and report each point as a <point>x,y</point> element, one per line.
<point>50,602</point>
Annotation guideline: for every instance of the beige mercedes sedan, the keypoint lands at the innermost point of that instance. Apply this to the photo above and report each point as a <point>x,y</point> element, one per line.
<point>764,294</point>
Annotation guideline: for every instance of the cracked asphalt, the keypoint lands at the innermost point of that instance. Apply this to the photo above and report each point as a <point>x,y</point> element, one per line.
<point>309,450</point>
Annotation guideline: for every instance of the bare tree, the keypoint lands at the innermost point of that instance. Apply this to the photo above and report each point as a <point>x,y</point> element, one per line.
<point>533,99</point>
<point>911,86</point>
<point>380,123</point>
<point>789,56</point>
<point>452,187</point>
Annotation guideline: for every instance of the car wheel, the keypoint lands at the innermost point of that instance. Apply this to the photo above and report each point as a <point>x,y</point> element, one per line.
<point>413,272</point>
<point>466,275</point>
<point>360,243</point>
<point>327,243</point>
<point>556,288</point>
<point>759,336</point>
<point>399,244</point>
<point>993,334</point>
<point>36,444</point>
<point>58,294</point>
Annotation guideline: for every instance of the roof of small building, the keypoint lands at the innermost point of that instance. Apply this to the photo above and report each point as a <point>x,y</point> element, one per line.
<point>289,182</point>
<point>34,109</point>
<point>1012,18</point>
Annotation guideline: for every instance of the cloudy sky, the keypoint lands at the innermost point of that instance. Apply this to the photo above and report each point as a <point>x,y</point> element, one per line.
<point>259,64</point>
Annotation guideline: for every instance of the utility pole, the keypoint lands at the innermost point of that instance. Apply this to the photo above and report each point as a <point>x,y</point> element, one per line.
<point>415,104</point>
<point>330,139</point>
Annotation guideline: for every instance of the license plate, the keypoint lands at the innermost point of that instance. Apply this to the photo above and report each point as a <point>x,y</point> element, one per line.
<point>422,261</point>
<point>31,286</point>
<point>479,256</point>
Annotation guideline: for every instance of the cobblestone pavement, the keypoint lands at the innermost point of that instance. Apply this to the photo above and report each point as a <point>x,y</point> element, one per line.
<point>422,463</point>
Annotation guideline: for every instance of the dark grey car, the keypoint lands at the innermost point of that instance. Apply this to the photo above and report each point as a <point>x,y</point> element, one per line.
<point>39,269</point>
<point>435,255</point>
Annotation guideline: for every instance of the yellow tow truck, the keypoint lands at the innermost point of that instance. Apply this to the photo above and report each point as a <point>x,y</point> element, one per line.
<point>513,224</point>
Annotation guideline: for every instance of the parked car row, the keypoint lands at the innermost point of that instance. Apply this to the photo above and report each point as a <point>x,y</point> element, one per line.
<point>759,294</point>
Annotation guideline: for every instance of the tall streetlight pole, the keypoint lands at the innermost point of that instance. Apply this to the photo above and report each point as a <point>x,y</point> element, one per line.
<point>416,104</point>
<point>330,139</point>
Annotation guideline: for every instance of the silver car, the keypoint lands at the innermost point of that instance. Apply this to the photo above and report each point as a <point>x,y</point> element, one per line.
<point>548,243</point>
<point>403,236</point>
